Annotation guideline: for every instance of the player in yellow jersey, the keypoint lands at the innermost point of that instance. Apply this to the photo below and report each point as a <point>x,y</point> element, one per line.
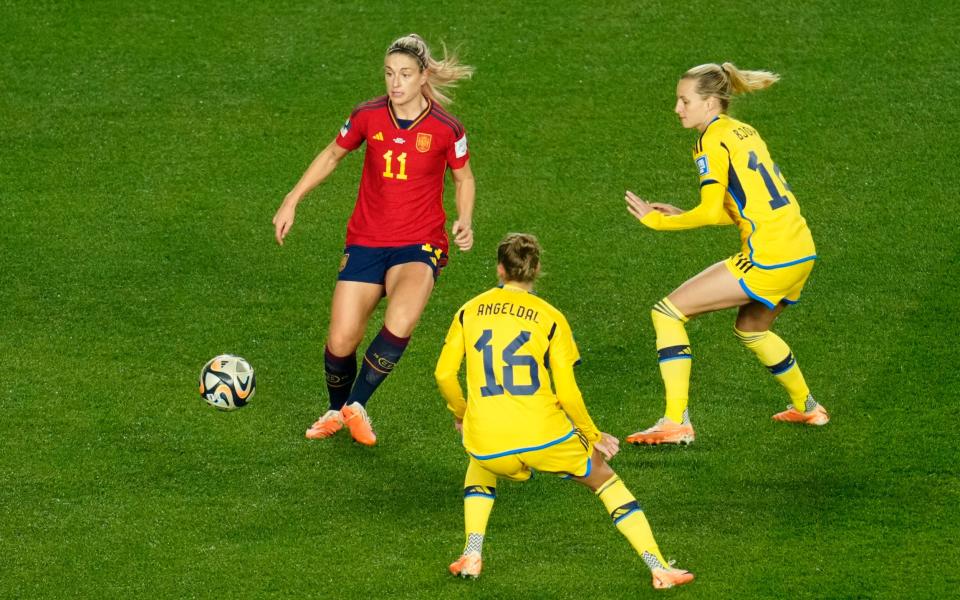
<point>523,411</point>
<point>741,185</point>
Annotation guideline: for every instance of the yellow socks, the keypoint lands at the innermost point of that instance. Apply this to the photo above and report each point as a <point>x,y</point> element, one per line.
<point>630,520</point>
<point>674,355</point>
<point>774,353</point>
<point>479,493</point>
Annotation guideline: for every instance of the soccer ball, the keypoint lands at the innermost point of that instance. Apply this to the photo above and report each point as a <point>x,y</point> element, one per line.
<point>227,382</point>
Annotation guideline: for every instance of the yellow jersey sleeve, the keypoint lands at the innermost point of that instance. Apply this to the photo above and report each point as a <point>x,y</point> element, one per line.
<point>563,349</point>
<point>564,354</point>
<point>448,367</point>
<point>710,211</point>
<point>713,166</point>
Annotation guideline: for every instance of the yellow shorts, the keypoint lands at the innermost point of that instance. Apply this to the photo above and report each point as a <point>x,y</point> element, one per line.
<point>569,457</point>
<point>770,286</point>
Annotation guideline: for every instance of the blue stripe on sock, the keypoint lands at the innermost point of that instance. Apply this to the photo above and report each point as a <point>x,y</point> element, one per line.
<point>625,511</point>
<point>783,366</point>
<point>674,352</point>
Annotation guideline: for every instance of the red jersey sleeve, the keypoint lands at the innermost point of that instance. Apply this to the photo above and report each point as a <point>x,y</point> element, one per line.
<point>457,153</point>
<point>354,131</point>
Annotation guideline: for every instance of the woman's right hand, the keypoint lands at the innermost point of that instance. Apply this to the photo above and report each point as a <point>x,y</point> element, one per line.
<point>637,206</point>
<point>283,220</point>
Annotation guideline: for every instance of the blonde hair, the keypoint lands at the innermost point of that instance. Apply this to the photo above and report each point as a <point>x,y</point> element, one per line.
<point>726,80</point>
<point>519,253</point>
<point>441,74</point>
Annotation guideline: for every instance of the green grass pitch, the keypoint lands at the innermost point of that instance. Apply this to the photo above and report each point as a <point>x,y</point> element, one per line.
<point>144,148</point>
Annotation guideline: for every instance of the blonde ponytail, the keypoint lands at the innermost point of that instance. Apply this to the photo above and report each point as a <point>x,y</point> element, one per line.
<point>441,74</point>
<point>726,80</point>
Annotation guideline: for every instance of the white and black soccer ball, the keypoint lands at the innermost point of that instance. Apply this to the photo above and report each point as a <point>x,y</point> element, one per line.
<point>227,382</point>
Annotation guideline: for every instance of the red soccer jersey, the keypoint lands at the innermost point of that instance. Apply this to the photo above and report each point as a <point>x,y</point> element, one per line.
<point>400,201</point>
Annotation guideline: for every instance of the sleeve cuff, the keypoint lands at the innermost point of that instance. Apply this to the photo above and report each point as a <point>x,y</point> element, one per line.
<point>652,219</point>
<point>593,436</point>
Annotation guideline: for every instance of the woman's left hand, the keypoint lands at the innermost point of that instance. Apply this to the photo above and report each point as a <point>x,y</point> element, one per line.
<point>608,445</point>
<point>462,235</point>
<point>637,206</point>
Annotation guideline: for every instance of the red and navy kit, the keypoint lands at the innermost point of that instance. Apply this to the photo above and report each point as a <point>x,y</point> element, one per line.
<point>401,190</point>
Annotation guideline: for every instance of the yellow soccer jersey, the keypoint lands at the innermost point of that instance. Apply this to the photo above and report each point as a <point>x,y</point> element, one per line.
<point>521,392</point>
<point>740,183</point>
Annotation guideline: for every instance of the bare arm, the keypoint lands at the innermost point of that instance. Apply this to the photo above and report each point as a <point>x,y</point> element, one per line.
<point>319,170</point>
<point>466,192</point>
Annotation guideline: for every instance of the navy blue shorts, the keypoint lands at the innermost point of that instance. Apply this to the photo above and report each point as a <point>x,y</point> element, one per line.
<point>370,265</point>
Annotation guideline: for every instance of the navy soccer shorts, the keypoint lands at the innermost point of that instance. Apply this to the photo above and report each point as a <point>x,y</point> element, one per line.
<point>370,265</point>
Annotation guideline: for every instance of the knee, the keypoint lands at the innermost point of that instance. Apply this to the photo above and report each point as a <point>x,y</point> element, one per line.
<point>603,471</point>
<point>600,472</point>
<point>753,321</point>
<point>343,342</point>
<point>401,323</point>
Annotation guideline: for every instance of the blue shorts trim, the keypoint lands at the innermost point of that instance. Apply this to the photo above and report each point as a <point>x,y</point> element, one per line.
<point>519,450</point>
<point>763,301</point>
<point>367,264</point>
<point>587,474</point>
<point>782,265</point>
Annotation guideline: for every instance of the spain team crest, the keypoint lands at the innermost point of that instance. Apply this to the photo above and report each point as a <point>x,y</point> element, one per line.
<point>343,261</point>
<point>423,141</point>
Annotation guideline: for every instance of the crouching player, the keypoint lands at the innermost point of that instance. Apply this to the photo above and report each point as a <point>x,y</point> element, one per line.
<point>524,412</point>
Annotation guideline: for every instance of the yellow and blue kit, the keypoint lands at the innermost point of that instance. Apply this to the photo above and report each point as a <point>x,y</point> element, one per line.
<point>740,184</point>
<point>523,410</point>
<point>521,392</point>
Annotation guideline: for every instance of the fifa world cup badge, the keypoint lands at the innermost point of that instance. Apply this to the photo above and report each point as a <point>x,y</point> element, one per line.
<point>703,167</point>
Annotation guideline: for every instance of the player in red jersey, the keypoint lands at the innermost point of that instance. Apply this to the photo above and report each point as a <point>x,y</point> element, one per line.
<point>396,239</point>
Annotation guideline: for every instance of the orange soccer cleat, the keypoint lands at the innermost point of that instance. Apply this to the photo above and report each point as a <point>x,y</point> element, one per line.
<point>670,577</point>
<point>326,426</point>
<point>664,432</point>
<point>356,419</point>
<point>468,565</point>
<point>813,416</point>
